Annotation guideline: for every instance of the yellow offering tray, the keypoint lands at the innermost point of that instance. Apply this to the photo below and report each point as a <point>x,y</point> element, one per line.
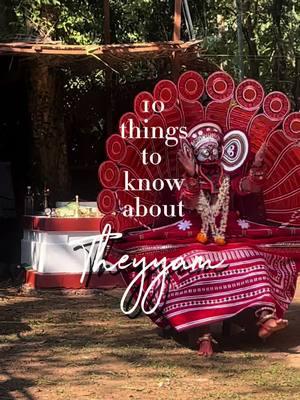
<point>72,210</point>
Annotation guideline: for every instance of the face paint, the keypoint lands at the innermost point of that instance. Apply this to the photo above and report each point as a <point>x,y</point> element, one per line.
<point>208,153</point>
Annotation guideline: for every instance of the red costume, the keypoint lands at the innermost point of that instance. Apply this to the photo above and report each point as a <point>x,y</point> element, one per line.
<point>240,163</point>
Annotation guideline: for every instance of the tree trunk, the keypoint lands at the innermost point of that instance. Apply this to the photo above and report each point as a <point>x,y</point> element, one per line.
<point>249,34</point>
<point>107,72</point>
<point>50,158</point>
<point>297,83</point>
<point>279,70</point>
<point>240,38</point>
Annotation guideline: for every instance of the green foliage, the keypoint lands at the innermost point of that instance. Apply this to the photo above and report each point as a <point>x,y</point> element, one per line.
<point>70,21</point>
<point>81,21</point>
<point>271,37</point>
<point>141,20</point>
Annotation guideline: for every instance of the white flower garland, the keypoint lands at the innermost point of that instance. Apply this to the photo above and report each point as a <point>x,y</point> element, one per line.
<point>209,212</point>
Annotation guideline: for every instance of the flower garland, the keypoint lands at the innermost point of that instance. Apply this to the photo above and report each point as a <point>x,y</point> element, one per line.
<point>209,213</point>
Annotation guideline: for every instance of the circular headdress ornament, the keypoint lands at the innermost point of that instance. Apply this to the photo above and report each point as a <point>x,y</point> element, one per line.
<point>235,150</point>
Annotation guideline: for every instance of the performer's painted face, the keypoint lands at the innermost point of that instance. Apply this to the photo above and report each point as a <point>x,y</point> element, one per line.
<point>208,153</point>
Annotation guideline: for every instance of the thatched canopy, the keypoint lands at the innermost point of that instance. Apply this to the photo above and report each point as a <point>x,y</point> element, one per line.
<point>112,56</point>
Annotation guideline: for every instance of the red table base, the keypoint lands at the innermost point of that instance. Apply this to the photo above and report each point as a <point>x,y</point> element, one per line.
<point>41,223</point>
<point>37,280</point>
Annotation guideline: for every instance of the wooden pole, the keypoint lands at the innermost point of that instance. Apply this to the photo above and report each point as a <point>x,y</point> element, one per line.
<point>177,21</point>
<point>176,38</point>
<point>107,36</point>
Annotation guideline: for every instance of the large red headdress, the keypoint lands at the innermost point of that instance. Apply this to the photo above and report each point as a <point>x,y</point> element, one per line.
<point>241,118</point>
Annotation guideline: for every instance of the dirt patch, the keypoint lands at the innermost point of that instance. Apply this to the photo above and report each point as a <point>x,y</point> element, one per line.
<point>82,347</point>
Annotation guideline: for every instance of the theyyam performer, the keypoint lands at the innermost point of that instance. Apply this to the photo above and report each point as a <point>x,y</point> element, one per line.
<point>238,168</point>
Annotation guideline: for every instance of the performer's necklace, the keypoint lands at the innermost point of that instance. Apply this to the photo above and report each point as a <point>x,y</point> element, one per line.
<point>209,213</point>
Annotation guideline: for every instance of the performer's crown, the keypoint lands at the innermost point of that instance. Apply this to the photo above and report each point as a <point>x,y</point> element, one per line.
<point>206,132</point>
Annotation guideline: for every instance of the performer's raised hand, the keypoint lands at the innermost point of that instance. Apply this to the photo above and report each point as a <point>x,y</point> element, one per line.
<point>259,158</point>
<point>188,162</point>
<point>257,171</point>
<point>254,181</point>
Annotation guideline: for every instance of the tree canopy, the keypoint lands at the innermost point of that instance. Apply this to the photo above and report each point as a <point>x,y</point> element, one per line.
<point>270,32</point>
<point>271,29</point>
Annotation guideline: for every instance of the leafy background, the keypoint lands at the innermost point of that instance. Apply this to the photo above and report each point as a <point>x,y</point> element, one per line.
<point>271,54</point>
<point>271,29</point>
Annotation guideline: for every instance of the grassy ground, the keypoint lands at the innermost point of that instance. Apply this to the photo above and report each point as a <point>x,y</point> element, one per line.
<point>82,347</point>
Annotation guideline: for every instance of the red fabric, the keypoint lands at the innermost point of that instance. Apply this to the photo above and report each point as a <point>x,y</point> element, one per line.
<point>254,234</point>
<point>38,223</point>
<point>253,278</point>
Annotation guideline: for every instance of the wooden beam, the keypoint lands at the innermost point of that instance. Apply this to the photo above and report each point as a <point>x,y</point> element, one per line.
<point>71,50</point>
<point>177,20</point>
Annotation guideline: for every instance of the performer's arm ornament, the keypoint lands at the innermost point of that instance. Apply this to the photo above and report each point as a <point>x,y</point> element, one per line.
<point>254,181</point>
